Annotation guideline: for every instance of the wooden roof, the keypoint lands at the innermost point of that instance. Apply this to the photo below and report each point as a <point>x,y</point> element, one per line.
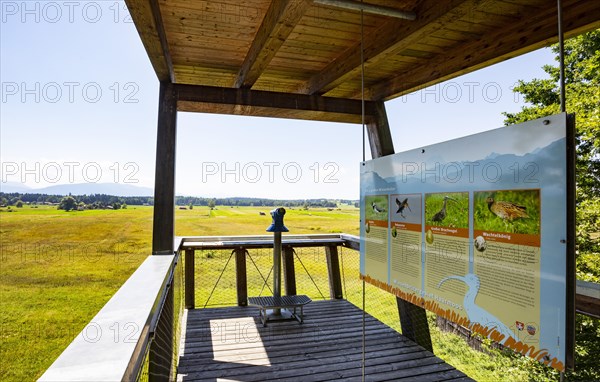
<point>304,50</point>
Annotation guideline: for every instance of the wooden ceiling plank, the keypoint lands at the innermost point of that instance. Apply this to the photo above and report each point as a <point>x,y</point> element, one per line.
<point>146,17</point>
<point>532,32</point>
<point>279,21</point>
<point>234,13</point>
<point>392,36</point>
<point>240,33</point>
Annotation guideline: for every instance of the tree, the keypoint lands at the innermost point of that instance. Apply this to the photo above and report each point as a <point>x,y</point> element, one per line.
<point>19,204</point>
<point>582,79</point>
<point>67,203</point>
<point>191,206</point>
<point>211,204</point>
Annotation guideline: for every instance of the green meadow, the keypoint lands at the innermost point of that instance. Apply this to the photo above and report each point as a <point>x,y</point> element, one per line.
<point>59,268</point>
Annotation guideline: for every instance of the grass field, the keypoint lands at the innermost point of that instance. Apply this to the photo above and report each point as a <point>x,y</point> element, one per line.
<point>57,269</point>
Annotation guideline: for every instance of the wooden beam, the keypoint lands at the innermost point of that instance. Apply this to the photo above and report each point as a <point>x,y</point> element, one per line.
<point>148,22</point>
<point>391,37</point>
<point>210,99</point>
<point>241,277</point>
<point>533,32</point>
<point>279,21</point>
<point>289,272</point>
<point>333,268</point>
<point>378,130</point>
<point>164,43</point>
<point>164,178</point>
<point>413,320</point>
<point>190,276</point>
<point>588,305</point>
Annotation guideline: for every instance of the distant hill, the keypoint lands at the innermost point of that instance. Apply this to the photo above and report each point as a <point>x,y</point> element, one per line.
<point>115,189</point>
<point>9,187</point>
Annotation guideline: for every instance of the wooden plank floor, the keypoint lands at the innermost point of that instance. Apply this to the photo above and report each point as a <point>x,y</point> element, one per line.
<point>230,344</point>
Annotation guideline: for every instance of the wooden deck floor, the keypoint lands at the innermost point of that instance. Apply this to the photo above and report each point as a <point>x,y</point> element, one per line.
<point>230,344</point>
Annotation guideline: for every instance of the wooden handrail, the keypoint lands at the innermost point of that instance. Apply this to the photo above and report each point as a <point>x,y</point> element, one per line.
<point>240,245</point>
<point>587,298</point>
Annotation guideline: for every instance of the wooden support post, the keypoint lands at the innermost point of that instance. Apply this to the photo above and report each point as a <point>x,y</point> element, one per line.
<point>378,130</point>
<point>289,272</point>
<point>413,318</point>
<point>190,284</point>
<point>333,268</point>
<point>241,280</point>
<point>164,179</point>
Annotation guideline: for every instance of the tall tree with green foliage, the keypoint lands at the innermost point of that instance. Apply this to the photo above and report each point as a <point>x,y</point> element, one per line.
<point>67,203</point>
<point>212,203</point>
<point>582,79</point>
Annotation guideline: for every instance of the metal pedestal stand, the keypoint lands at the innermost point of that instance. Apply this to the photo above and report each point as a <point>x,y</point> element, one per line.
<point>277,228</point>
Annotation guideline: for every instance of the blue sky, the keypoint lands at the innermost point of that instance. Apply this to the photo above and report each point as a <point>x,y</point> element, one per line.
<point>79,104</point>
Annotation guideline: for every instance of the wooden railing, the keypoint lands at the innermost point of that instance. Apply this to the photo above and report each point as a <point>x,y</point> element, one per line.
<point>241,244</point>
<point>587,299</point>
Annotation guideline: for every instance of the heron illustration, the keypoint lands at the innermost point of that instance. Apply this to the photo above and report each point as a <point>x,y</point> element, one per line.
<point>401,206</point>
<point>377,209</point>
<point>441,214</point>
<point>475,313</point>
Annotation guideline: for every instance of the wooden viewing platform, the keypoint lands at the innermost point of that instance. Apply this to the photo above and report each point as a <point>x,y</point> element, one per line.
<point>172,340</point>
<point>230,344</point>
<point>297,60</point>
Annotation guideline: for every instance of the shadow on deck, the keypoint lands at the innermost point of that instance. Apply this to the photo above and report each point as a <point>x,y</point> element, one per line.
<point>230,344</point>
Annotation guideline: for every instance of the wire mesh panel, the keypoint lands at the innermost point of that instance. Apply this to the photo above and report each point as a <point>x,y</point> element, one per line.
<point>378,303</point>
<point>178,287</point>
<point>311,272</point>
<point>143,372</point>
<point>216,275</point>
<point>259,270</point>
<point>215,278</point>
<point>162,353</point>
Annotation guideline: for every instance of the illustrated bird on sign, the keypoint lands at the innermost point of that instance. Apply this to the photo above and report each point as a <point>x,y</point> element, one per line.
<point>401,206</point>
<point>475,313</point>
<point>506,210</point>
<point>377,209</point>
<point>441,214</point>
